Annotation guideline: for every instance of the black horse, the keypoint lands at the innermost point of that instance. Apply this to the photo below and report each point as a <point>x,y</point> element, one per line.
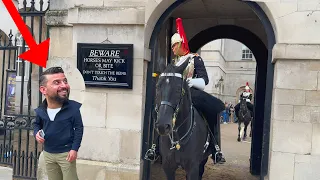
<point>245,117</point>
<point>184,134</point>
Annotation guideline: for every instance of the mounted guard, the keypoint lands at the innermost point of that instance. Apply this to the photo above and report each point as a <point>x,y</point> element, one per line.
<point>187,116</point>
<point>197,78</point>
<point>244,112</point>
<point>248,96</point>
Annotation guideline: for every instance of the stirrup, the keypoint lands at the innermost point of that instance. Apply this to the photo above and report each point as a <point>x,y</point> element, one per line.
<point>219,155</point>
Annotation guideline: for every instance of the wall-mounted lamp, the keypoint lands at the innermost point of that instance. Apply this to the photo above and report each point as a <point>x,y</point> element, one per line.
<point>219,82</point>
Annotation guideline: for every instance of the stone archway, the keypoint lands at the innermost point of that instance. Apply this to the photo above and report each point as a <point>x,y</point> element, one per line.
<point>260,51</point>
<point>158,12</point>
<point>153,26</point>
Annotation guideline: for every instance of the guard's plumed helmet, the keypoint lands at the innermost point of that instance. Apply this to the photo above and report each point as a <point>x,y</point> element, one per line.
<point>180,36</point>
<point>176,38</point>
<point>247,86</point>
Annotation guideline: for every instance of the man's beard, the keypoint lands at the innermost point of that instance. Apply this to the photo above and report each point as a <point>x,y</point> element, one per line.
<point>60,99</point>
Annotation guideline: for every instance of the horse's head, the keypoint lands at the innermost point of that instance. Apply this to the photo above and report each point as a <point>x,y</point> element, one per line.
<point>170,88</point>
<point>243,103</point>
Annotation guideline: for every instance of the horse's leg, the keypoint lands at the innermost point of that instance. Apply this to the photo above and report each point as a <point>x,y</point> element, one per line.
<point>193,173</point>
<point>245,131</point>
<point>170,172</point>
<point>239,129</point>
<point>201,168</point>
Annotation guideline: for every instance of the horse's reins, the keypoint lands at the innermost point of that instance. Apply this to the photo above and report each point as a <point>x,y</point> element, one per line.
<point>176,144</point>
<point>245,109</point>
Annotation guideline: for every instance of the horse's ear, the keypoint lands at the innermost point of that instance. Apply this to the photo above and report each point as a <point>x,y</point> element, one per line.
<point>183,66</point>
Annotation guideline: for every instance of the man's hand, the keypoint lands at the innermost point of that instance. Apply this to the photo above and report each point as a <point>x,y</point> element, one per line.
<point>189,81</point>
<point>72,155</point>
<point>196,83</point>
<point>39,138</point>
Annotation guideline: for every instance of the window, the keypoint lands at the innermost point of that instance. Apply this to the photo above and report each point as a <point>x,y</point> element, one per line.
<point>246,54</point>
<point>19,65</point>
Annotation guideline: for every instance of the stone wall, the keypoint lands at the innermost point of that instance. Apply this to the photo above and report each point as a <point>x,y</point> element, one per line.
<point>295,136</point>
<point>112,117</point>
<point>211,53</point>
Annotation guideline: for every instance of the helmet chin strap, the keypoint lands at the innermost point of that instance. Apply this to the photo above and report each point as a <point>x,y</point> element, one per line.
<point>185,52</point>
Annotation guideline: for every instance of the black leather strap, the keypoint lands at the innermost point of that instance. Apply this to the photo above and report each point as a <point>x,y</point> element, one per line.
<point>167,103</point>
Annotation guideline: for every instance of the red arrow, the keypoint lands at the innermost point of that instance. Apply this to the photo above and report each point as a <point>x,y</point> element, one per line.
<point>37,54</point>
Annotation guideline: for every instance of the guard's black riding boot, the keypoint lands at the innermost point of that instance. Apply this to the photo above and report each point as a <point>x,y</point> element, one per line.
<point>219,159</point>
<point>217,156</point>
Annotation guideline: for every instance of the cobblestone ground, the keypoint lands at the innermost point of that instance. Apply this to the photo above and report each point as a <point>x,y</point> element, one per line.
<point>237,156</point>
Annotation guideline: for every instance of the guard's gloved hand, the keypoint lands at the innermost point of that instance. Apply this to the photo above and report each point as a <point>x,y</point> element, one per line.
<point>196,83</point>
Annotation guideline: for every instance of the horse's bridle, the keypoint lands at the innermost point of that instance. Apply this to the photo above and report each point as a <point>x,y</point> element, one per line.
<point>243,99</point>
<point>176,144</point>
<point>167,103</point>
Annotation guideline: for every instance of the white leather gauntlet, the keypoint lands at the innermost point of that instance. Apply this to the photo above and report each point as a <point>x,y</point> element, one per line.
<point>196,83</point>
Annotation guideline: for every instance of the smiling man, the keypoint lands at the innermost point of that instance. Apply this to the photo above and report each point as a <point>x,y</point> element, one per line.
<point>58,125</point>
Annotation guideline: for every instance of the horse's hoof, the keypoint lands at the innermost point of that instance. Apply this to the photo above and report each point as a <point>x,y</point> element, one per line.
<point>239,139</point>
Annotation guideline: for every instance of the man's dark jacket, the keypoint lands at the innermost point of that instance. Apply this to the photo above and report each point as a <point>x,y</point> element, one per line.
<point>65,132</point>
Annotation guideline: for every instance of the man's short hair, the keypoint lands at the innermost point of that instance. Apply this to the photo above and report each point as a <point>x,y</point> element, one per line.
<point>49,71</point>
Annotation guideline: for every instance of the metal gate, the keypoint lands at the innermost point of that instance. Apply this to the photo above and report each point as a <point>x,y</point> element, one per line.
<point>19,94</point>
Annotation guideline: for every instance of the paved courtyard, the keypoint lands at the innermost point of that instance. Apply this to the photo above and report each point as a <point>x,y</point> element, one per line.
<point>5,173</point>
<point>237,156</point>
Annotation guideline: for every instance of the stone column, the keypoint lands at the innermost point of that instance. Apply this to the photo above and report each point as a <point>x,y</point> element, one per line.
<point>295,124</point>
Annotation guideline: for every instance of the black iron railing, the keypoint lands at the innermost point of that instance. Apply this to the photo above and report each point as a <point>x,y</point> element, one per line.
<point>19,94</point>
